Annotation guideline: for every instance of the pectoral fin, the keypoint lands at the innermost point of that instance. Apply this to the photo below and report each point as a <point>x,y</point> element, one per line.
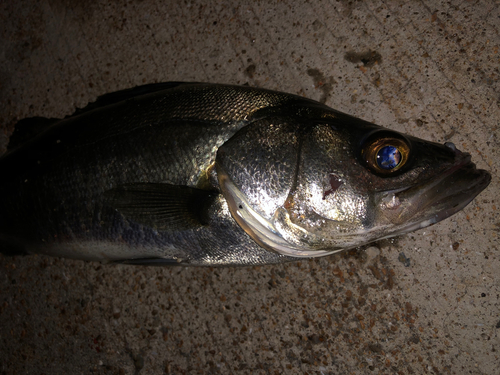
<point>163,207</point>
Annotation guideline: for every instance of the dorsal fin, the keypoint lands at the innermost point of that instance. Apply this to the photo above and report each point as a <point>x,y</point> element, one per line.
<point>118,96</point>
<point>30,127</point>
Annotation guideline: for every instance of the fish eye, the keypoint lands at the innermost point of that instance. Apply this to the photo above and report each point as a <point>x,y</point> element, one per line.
<point>385,154</point>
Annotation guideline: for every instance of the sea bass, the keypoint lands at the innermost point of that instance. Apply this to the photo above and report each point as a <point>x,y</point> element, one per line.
<point>206,174</point>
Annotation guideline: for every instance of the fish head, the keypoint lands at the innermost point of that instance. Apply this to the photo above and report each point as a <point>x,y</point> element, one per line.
<point>308,188</point>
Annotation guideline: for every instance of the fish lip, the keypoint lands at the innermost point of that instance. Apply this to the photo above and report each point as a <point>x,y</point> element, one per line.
<point>440,197</point>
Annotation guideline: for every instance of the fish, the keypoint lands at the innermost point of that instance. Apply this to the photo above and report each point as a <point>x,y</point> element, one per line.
<point>202,174</point>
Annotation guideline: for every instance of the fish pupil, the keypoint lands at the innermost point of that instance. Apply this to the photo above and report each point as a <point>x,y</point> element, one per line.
<point>388,157</point>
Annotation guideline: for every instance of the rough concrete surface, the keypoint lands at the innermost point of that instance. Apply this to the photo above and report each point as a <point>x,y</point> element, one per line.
<point>424,303</point>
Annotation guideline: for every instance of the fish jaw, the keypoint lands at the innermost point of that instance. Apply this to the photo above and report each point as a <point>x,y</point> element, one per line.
<point>435,200</point>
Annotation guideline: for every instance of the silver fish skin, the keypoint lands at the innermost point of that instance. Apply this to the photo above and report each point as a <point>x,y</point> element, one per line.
<point>206,174</point>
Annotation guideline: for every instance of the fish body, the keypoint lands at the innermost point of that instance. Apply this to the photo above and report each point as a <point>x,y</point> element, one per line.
<point>203,174</point>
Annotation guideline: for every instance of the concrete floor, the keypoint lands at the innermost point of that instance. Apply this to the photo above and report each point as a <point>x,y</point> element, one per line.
<point>424,303</point>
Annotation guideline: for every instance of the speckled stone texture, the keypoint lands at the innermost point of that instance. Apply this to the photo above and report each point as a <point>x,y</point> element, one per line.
<point>424,303</point>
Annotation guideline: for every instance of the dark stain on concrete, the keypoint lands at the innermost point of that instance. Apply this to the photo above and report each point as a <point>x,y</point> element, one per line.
<point>368,59</point>
<point>404,259</point>
<point>250,70</point>
<point>321,82</point>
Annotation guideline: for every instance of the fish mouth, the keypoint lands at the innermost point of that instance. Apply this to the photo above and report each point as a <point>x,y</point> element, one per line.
<point>438,198</point>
